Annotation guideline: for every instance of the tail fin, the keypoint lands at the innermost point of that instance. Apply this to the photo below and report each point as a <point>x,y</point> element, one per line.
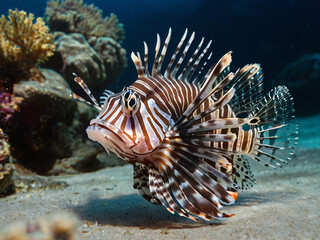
<point>277,129</point>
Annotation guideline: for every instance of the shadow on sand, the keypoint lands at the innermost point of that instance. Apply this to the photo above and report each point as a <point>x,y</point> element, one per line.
<point>133,210</point>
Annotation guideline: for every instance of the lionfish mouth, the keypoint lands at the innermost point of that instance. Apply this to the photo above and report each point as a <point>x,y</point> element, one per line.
<point>108,135</point>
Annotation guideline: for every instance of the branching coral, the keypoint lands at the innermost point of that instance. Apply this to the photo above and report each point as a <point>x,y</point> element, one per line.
<point>23,43</point>
<point>74,16</point>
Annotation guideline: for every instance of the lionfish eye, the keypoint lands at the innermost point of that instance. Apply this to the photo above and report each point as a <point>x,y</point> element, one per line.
<point>127,94</point>
<point>130,102</point>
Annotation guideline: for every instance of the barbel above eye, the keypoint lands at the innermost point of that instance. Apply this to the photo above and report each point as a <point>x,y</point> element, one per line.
<point>130,102</point>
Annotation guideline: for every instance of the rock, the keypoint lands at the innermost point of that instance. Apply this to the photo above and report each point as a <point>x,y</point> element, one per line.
<point>75,16</point>
<point>100,61</point>
<point>48,132</point>
<point>113,55</point>
<point>77,56</point>
<point>302,77</point>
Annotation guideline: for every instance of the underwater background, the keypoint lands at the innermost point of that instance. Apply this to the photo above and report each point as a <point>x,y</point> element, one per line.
<point>48,165</point>
<point>272,33</point>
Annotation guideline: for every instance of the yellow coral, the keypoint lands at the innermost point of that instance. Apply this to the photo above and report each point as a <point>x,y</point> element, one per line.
<point>23,44</point>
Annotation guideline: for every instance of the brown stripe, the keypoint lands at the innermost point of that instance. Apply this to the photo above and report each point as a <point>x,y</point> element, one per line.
<point>113,122</point>
<point>163,119</point>
<point>154,129</point>
<point>153,117</point>
<point>153,86</point>
<point>133,128</point>
<point>144,130</point>
<point>110,105</point>
<point>123,124</point>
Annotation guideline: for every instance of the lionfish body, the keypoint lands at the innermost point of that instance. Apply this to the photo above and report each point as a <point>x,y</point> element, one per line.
<point>183,132</point>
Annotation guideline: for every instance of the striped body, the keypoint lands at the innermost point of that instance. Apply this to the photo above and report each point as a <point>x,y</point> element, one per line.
<point>183,132</point>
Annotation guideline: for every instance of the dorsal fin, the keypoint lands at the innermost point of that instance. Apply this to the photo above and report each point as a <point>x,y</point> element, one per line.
<point>146,58</point>
<point>156,59</point>
<point>186,69</point>
<point>137,62</point>
<point>208,87</point>
<point>172,68</point>
<point>196,79</point>
<point>164,50</point>
<point>182,57</point>
<point>173,58</point>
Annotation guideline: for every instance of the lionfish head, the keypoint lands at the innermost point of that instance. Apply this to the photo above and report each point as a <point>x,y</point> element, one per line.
<point>125,126</point>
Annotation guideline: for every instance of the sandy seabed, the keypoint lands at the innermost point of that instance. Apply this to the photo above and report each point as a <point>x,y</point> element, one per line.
<point>284,204</point>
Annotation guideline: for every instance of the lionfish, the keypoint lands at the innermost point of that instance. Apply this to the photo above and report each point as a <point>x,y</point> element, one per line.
<point>189,133</point>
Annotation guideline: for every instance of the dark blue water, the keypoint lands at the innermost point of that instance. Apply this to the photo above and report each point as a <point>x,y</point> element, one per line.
<point>271,32</point>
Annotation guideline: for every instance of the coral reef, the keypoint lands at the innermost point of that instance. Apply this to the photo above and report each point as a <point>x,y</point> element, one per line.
<point>53,226</point>
<point>6,170</point>
<point>44,125</point>
<point>113,55</point>
<point>49,129</point>
<point>6,180</point>
<point>23,44</point>
<point>4,147</point>
<point>9,105</point>
<point>33,131</point>
<point>87,43</point>
<point>100,62</point>
<point>79,57</point>
<point>74,16</point>
<point>302,78</point>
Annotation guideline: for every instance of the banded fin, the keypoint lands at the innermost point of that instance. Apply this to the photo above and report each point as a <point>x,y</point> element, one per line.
<point>241,173</point>
<point>193,183</point>
<point>218,104</point>
<point>141,182</point>
<point>160,188</point>
<point>175,62</point>
<point>277,131</point>
<point>248,86</point>
<point>86,89</point>
<point>208,88</point>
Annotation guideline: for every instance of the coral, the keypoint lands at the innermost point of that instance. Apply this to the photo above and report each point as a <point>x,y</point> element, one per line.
<point>74,16</point>
<point>61,225</point>
<point>4,147</point>
<point>302,78</point>
<point>79,57</point>
<point>87,43</point>
<point>100,62</point>
<point>23,44</point>
<point>6,170</point>
<point>9,105</point>
<point>6,181</point>
<point>113,55</point>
